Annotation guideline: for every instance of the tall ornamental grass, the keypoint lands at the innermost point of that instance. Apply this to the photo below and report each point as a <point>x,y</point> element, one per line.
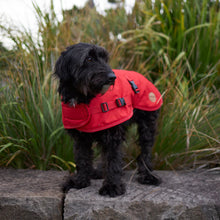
<point>31,131</point>
<point>173,43</point>
<point>178,49</point>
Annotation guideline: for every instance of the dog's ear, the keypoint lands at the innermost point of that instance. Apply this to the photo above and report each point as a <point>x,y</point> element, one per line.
<point>60,70</point>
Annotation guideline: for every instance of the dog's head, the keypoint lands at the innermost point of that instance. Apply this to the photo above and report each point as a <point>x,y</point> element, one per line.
<point>83,72</point>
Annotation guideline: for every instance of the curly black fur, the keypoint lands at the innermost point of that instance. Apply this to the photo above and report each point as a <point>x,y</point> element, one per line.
<point>83,72</point>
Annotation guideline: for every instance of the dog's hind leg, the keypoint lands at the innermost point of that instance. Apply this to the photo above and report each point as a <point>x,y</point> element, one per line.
<point>147,124</point>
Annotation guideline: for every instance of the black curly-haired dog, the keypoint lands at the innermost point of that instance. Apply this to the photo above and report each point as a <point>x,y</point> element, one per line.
<point>95,109</point>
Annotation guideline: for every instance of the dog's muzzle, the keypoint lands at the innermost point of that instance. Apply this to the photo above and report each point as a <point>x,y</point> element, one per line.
<point>110,81</point>
<point>111,78</point>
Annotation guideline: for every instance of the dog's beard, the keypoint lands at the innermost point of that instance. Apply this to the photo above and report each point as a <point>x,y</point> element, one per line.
<point>86,90</point>
<point>94,84</point>
<point>104,89</point>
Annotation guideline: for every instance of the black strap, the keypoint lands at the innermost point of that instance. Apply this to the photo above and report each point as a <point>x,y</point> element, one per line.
<point>104,107</point>
<point>120,102</point>
<point>134,86</point>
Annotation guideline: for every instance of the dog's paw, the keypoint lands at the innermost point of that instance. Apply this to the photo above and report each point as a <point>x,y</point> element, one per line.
<point>149,179</point>
<point>75,182</point>
<point>112,190</point>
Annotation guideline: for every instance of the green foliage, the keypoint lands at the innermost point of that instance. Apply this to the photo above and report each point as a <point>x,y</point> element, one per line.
<point>177,46</point>
<point>173,43</point>
<point>31,131</point>
<point>190,122</point>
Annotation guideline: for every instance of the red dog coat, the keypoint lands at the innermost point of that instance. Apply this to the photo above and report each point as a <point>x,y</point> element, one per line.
<point>131,90</point>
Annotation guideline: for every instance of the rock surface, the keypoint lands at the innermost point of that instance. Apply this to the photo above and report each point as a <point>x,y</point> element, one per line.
<point>182,195</point>
<point>31,194</point>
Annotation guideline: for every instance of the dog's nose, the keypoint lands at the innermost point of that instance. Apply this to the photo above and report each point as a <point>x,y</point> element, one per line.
<point>111,77</point>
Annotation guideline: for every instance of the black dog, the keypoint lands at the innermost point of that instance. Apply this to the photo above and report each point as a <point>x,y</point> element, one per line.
<point>85,81</point>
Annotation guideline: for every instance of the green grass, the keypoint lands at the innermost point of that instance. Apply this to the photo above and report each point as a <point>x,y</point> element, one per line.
<point>31,131</point>
<point>189,123</point>
<point>173,43</point>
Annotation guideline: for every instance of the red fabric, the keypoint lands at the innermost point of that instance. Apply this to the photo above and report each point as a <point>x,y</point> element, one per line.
<point>91,118</point>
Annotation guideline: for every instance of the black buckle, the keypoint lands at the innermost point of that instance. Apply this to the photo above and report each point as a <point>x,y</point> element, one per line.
<point>120,102</point>
<point>134,86</point>
<point>104,107</point>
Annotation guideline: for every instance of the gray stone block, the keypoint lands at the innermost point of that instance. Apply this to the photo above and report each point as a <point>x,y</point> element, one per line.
<point>31,194</point>
<point>182,195</point>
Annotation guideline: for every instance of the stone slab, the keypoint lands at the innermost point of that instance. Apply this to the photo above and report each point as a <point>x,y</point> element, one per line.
<point>182,195</point>
<point>31,194</point>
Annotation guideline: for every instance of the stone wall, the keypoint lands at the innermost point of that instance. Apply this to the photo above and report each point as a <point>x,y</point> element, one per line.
<point>34,194</point>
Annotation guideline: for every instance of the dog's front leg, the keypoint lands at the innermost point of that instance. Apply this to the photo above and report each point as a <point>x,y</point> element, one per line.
<point>83,159</point>
<point>112,184</point>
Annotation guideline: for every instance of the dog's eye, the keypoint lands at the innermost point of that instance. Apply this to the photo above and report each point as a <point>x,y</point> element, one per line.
<point>89,59</point>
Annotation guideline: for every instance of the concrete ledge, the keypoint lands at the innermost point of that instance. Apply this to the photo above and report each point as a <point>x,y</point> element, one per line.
<point>182,195</point>
<point>33,194</point>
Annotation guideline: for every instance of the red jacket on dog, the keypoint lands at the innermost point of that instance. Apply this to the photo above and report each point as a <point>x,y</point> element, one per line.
<point>131,90</point>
